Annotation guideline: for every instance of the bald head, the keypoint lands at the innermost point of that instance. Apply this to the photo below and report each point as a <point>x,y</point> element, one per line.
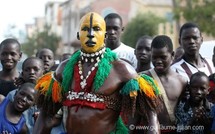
<point>92,32</point>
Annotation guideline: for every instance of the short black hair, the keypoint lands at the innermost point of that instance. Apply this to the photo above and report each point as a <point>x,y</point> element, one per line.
<point>43,49</point>
<point>186,26</point>
<point>32,58</point>
<point>113,16</point>
<point>161,41</point>
<point>197,75</point>
<point>27,84</point>
<point>145,37</point>
<point>10,41</point>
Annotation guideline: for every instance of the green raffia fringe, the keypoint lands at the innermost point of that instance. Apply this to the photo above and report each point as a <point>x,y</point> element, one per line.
<point>120,127</point>
<point>69,71</point>
<point>131,85</point>
<point>150,80</point>
<point>102,73</point>
<point>104,68</point>
<point>49,92</point>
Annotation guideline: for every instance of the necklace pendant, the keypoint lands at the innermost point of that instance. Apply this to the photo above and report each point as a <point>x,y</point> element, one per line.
<point>83,84</point>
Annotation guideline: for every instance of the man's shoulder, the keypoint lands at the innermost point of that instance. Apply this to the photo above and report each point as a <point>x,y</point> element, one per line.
<point>178,63</point>
<point>122,67</point>
<point>126,46</point>
<point>179,77</point>
<point>2,97</point>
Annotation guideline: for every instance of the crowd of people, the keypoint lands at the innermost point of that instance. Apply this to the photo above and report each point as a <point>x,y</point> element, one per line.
<point>108,87</point>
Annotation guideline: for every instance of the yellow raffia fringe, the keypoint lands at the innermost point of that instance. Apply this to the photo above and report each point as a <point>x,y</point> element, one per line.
<point>43,83</point>
<point>146,87</point>
<point>133,94</point>
<point>56,92</point>
<point>43,86</point>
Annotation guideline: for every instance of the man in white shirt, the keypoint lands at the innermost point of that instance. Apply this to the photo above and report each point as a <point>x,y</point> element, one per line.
<point>190,38</point>
<point>114,29</point>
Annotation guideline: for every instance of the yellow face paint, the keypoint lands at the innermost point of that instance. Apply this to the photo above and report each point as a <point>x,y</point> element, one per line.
<point>92,32</point>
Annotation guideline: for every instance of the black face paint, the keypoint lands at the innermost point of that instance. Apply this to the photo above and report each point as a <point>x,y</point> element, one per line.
<point>90,35</point>
<point>91,24</point>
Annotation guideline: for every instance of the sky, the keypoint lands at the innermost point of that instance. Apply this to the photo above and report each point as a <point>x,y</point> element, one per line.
<point>19,13</point>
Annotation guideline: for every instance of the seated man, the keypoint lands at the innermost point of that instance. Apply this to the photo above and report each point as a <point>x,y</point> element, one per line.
<point>94,84</point>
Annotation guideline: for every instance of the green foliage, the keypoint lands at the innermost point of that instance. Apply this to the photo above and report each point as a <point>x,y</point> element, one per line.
<point>142,24</point>
<point>44,39</point>
<point>200,12</point>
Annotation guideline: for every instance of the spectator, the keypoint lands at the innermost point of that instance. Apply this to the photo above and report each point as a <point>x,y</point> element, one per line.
<point>114,29</point>
<point>32,69</point>
<point>11,113</point>
<point>190,38</point>
<point>179,52</point>
<point>171,84</point>
<point>194,115</point>
<point>143,53</point>
<point>10,54</point>
<point>47,56</point>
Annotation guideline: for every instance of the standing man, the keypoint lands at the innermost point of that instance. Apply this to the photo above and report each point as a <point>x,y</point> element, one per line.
<point>190,38</point>
<point>114,29</point>
<point>94,84</point>
<point>143,53</point>
<point>171,84</point>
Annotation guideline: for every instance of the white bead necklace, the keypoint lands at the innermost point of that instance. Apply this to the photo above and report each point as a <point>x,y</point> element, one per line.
<point>83,82</point>
<point>91,57</point>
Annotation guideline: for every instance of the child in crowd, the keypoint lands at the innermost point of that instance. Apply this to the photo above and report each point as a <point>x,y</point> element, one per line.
<point>32,69</point>
<point>11,112</point>
<point>194,115</point>
<point>10,54</point>
<point>47,56</point>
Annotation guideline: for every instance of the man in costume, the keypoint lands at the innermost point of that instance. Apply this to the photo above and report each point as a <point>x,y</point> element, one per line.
<point>92,88</point>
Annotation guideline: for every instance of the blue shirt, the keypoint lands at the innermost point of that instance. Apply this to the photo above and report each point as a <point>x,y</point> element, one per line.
<point>5,124</point>
<point>184,114</point>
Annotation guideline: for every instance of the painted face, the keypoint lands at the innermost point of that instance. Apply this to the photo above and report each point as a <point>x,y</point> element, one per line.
<point>92,32</point>
<point>161,59</point>
<point>10,55</point>
<point>199,89</point>
<point>143,51</point>
<point>191,40</point>
<point>32,70</point>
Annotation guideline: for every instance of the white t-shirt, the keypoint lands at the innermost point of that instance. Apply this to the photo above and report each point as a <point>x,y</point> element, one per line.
<point>127,53</point>
<point>180,66</point>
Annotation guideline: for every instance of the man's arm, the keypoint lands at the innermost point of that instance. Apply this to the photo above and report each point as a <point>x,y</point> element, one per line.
<point>44,124</point>
<point>24,129</point>
<point>153,123</point>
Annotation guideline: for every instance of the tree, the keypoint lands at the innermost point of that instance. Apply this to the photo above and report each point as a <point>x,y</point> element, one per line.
<point>142,24</point>
<point>200,12</point>
<point>44,39</point>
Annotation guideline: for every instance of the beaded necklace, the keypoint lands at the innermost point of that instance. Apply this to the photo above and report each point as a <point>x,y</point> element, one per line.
<point>104,67</point>
<point>92,57</point>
